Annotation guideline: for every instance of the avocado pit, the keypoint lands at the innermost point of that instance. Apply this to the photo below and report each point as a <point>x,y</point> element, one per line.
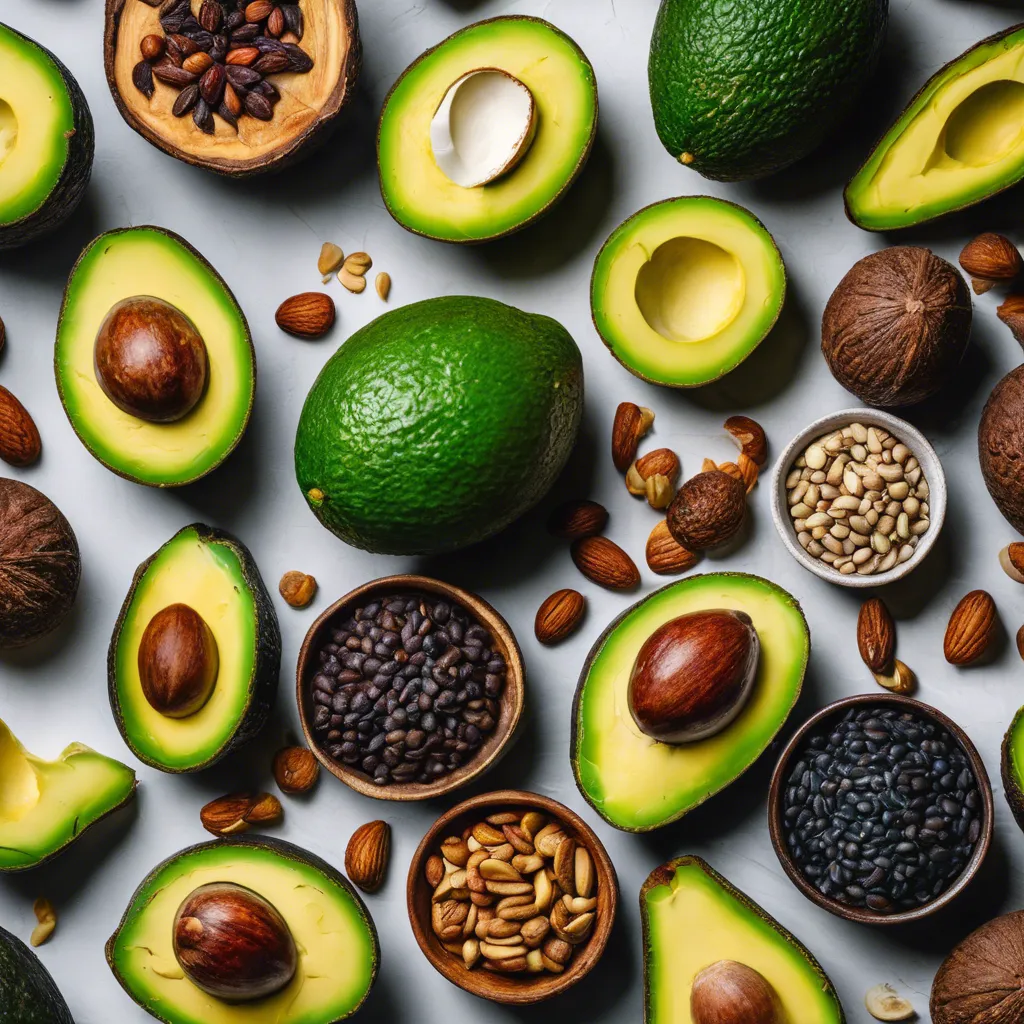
<point>178,661</point>
<point>728,992</point>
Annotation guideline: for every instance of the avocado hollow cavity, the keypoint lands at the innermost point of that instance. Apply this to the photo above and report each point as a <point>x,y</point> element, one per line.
<point>8,130</point>
<point>987,125</point>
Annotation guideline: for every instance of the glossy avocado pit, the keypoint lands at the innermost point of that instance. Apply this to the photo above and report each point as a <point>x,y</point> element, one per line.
<point>178,661</point>
<point>728,992</point>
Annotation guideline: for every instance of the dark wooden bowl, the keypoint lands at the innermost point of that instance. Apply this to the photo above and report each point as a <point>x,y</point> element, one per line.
<point>512,699</point>
<point>775,814</point>
<point>517,989</point>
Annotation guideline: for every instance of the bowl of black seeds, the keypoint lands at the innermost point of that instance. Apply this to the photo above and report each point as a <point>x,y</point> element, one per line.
<point>409,688</point>
<point>880,809</point>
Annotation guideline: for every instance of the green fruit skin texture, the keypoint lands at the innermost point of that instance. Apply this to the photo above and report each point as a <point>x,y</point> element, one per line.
<point>750,86</point>
<point>28,995</point>
<point>438,424</point>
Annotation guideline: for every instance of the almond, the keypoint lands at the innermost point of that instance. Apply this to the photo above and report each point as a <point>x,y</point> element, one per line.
<point>296,769</point>
<point>19,438</point>
<point>367,855</point>
<point>632,422</point>
<point>876,635</point>
<point>306,315</point>
<point>235,813</point>
<point>574,519</point>
<point>603,562</point>
<point>1011,312</point>
<point>1011,558</point>
<point>751,438</point>
<point>971,629</point>
<point>748,470</point>
<point>665,555</point>
<point>1020,641</point>
<point>733,470</point>
<point>990,258</point>
<point>559,616</point>
<point>660,462</point>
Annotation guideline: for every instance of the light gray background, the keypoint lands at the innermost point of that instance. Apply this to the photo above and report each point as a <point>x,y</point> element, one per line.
<point>264,237</point>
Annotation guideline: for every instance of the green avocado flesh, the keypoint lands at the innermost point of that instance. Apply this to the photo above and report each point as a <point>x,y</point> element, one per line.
<point>686,289</point>
<point>28,995</point>
<point>152,261</point>
<point>213,574</point>
<point>45,805</point>
<point>333,933</point>
<point>637,783</point>
<point>692,918</point>
<point>1013,767</point>
<point>438,424</point>
<point>742,89</point>
<point>561,80</point>
<point>959,141</point>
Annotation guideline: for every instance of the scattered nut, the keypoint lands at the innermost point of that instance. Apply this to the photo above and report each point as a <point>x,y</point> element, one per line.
<point>574,519</point>
<point>660,462</point>
<point>307,315</point>
<point>1011,312</point>
<point>367,855</point>
<point>654,477</point>
<point>665,555</point>
<point>900,679</point>
<point>383,286</point>
<point>235,813</point>
<point>751,438</point>
<point>876,635</point>
<point>708,511</point>
<point>19,438</point>
<point>884,1003</point>
<point>1020,641</point>
<point>748,471</point>
<point>358,263</point>
<point>297,588</point>
<point>659,491</point>
<point>709,465</point>
<point>355,283</point>
<point>971,629</point>
<point>295,770</point>
<point>990,259</point>
<point>1011,558</point>
<point>632,422</point>
<point>331,257</point>
<point>3,335</point>
<point>434,871</point>
<point>559,616</point>
<point>47,918</point>
<point>603,562</point>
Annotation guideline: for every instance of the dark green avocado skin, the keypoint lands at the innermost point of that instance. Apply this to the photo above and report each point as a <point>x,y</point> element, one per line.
<point>267,670</point>
<point>28,995</point>
<point>748,87</point>
<point>71,186</point>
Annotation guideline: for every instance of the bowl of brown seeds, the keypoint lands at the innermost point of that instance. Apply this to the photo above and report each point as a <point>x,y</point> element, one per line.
<point>859,498</point>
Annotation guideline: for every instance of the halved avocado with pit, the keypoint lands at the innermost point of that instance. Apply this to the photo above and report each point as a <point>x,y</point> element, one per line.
<point>212,573</point>
<point>338,953</point>
<point>561,80</point>
<point>151,261</point>
<point>46,140</point>
<point>637,783</point>
<point>692,918</point>
<point>959,141</point>
<point>686,289</point>
<point>47,805</point>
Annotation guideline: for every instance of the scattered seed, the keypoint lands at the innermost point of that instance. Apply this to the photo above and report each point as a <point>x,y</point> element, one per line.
<point>383,286</point>
<point>355,283</point>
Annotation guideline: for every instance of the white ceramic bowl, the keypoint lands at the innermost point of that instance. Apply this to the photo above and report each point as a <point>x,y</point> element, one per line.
<point>926,457</point>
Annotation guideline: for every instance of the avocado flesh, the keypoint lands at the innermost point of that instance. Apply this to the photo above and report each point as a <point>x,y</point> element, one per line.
<point>212,573</point>
<point>685,290</point>
<point>28,995</point>
<point>151,261</point>
<point>692,917</point>
<point>636,783</point>
<point>959,141</point>
<point>45,805</point>
<point>1012,765</point>
<point>333,933</point>
<point>421,197</point>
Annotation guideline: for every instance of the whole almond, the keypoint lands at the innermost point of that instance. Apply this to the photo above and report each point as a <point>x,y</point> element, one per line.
<point>559,616</point>
<point>19,439</point>
<point>971,629</point>
<point>198,64</point>
<point>665,555</point>
<point>603,562</point>
<point>367,855</point>
<point>574,519</point>
<point>295,770</point>
<point>989,259</point>
<point>242,56</point>
<point>751,438</point>
<point>235,813</point>
<point>632,422</point>
<point>660,462</point>
<point>876,635</point>
<point>306,315</point>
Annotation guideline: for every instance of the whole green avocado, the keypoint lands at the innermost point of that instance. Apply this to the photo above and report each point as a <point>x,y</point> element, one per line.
<point>28,995</point>
<point>742,88</point>
<point>438,424</point>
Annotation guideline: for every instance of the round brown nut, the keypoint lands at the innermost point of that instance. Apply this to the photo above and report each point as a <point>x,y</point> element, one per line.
<point>297,588</point>
<point>708,510</point>
<point>295,769</point>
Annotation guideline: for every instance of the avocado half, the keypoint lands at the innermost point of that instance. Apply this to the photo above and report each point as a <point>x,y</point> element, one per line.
<point>686,289</point>
<point>564,88</point>
<point>957,142</point>
<point>438,424</point>
<point>46,140</point>
<point>28,994</point>
<point>335,936</point>
<point>214,574</point>
<point>1012,767</point>
<point>143,261</point>
<point>638,784</point>
<point>692,917</point>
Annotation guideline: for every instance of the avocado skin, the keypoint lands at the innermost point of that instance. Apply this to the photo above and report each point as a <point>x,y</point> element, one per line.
<point>1012,783</point>
<point>28,994</point>
<point>71,186</point>
<point>751,86</point>
<point>267,669</point>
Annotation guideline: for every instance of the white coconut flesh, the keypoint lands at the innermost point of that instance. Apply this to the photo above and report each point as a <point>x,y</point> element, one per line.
<point>483,127</point>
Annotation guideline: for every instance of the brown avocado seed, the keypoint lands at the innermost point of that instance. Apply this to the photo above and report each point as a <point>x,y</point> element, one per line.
<point>233,944</point>
<point>731,993</point>
<point>150,360</point>
<point>693,675</point>
<point>178,661</point>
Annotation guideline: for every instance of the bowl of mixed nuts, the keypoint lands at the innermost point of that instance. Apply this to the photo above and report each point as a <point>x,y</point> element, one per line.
<point>512,896</point>
<point>859,497</point>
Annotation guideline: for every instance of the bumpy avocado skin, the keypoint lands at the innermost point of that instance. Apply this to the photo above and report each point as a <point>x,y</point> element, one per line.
<point>747,88</point>
<point>438,424</point>
<point>28,995</point>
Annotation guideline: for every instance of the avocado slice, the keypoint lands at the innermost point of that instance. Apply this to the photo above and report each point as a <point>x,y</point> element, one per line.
<point>28,994</point>
<point>560,78</point>
<point>213,573</point>
<point>957,142</point>
<point>686,289</point>
<point>638,784</point>
<point>46,805</point>
<point>692,918</point>
<point>46,140</point>
<point>1012,767</point>
<point>333,931</point>
<point>151,261</point>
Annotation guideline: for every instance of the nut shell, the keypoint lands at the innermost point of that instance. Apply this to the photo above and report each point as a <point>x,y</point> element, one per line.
<point>367,855</point>
<point>296,770</point>
<point>708,510</point>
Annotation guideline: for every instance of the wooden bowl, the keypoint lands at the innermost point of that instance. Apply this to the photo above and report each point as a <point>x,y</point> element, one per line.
<point>514,989</point>
<point>494,746</point>
<point>863,915</point>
